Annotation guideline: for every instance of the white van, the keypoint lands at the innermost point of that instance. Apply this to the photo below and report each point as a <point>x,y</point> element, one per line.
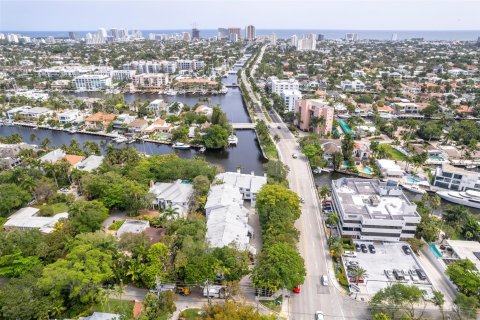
<point>324,280</point>
<point>350,254</point>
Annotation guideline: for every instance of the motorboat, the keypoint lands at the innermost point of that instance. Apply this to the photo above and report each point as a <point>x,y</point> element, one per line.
<point>344,116</point>
<point>182,92</point>
<point>224,90</point>
<point>202,149</point>
<point>129,141</point>
<point>181,146</point>
<point>469,198</point>
<point>72,130</point>
<point>232,139</point>
<point>415,188</point>
<point>170,92</point>
<point>120,139</point>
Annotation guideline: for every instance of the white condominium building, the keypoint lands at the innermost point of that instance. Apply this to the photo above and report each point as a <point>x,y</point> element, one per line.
<point>278,85</point>
<point>151,80</point>
<point>355,85</point>
<point>92,82</point>
<point>458,179</point>
<point>290,97</point>
<point>373,210</point>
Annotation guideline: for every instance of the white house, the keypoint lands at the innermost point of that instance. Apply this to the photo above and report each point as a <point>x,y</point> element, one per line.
<point>454,178</point>
<point>28,218</point>
<point>176,194</point>
<point>248,184</point>
<point>156,106</point>
<point>68,116</point>
<point>353,86</point>
<point>36,112</point>
<point>389,168</point>
<point>53,156</point>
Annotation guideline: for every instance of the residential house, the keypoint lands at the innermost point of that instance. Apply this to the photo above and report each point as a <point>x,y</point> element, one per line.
<point>352,86</point>
<point>156,106</point>
<point>53,156</point>
<point>203,109</point>
<point>176,195</point>
<point>455,178</point>
<point>99,121</point>
<point>28,219</point>
<point>248,184</point>
<point>122,121</point>
<point>158,125</point>
<point>137,125</point>
<point>389,168</point>
<point>68,116</point>
<point>9,154</point>
<point>196,85</point>
<point>14,111</point>
<point>90,163</point>
<point>36,113</point>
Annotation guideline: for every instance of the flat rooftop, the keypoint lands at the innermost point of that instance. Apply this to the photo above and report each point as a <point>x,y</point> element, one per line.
<point>372,199</point>
<point>466,250</point>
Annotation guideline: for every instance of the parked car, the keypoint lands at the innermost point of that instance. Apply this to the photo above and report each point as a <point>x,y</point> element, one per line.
<point>353,263</point>
<point>302,200</point>
<point>296,289</point>
<point>398,274</point>
<point>350,254</point>
<point>325,280</point>
<point>319,315</point>
<point>406,250</point>
<point>371,248</point>
<point>421,274</point>
<point>364,248</point>
<point>389,274</point>
<point>294,156</point>
<point>357,247</point>
<point>406,274</point>
<point>360,280</point>
<point>414,275</point>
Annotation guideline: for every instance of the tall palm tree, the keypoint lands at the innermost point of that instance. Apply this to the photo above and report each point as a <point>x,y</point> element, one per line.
<point>171,212</point>
<point>358,273</point>
<point>33,137</point>
<point>44,144</point>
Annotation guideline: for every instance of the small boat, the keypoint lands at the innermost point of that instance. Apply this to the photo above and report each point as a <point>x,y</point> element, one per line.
<point>343,116</point>
<point>415,188</point>
<point>72,130</point>
<point>181,146</point>
<point>224,90</point>
<point>203,92</point>
<point>120,139</point>
<point>8,122</point>
<point>182,91</point>
<point>129,141</point>
<point>202,149</point>
<point>232,139</point>
<point>35,128</point>
<point>170,92</point>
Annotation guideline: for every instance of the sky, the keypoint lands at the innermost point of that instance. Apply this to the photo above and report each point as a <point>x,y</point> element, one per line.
<point>75,15</point>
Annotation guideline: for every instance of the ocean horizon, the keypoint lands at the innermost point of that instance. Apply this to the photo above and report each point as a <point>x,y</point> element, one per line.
<point>449,35</point>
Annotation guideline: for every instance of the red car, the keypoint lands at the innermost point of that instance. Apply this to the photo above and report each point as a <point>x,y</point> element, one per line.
<point>296,289</point>
<point>360,280</point>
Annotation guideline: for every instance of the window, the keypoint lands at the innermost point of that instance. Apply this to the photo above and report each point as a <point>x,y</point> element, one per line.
<point>382,227</point>
<point>447,174</point>
<point>379,234</point>
<point>457,176</point>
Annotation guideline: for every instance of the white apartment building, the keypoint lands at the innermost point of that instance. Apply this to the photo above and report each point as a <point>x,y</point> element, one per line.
<point>290,97</point>
<point>373,210</point>
<point>151,80</point>
<point>308,42</point>
<point>66,71</point>
<point>354,86</point>
<point>249,184</point>
<point>151,66</point>
<point>68,116</point>
<point>458,179</point>
<point>189,64</point>
<point>36,112</point>
<point>278,85</point>
<point>92,82</point>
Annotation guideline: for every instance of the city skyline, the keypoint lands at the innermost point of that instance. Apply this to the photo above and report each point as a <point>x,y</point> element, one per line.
<point>422,15</point>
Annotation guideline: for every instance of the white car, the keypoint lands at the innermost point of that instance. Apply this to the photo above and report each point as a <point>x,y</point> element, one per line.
<point>294,156</point>
<point>414,275</point>
<point>350,254</point>
<point>319,315</point>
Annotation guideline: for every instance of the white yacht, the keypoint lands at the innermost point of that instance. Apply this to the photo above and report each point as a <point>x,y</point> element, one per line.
<point>224,90</point>
<point>181,146</point>
<point>120,139</point>
<point>413,187</point>
<point>469,198</point>
<point>170,92</point>
<point>232,139</point>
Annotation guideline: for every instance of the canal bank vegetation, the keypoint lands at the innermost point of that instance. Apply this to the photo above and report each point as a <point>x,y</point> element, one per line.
<point>279,265</point>
<point>265,141</point>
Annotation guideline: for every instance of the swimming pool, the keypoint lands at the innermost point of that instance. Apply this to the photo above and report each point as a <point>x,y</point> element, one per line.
<point>436,158</point>
<point>411,179</point>
<point>435,250</point>
<point>365,170</point>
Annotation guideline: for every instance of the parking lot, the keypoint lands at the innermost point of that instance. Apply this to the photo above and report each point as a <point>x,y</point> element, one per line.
<point>388,256</point>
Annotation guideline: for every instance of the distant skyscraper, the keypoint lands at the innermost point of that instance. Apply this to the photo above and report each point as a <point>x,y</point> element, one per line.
<point>233,37</point>
<point>102,33</point>
<point>235,31</point>
<point>122,33</point>
<point>88,36</point>
<point>72,35</point>
<point>273,39</point>
<point>250,33</point>
<point>114,33</point>
<point>351,37</point>
<point>309,42</point>
<point>320,37</point>
<point>478,40</point>
<point>223,33</point>
<point>294,40</point>
<point>394,37</point>
<point>195,34</point>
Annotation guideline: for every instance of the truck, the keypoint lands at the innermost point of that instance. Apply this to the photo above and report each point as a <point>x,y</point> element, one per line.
<point>214,291</point>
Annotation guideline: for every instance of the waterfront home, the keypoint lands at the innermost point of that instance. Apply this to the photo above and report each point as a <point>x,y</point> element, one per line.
<point>406,108</point>
<point>122,121</point>
<point>361,152</point>
<point>248,184</point>
<point>177,195</point>
<point>308,109</point>
<point>99,121</point>
<point>137,125</point>
<point>90,163</point>
<point>203,109</point>
<point>196,85</point>
<point>373,210</point>
<point>53,156</point>
<point>133,226</point>
<point>9,154</point>
<point>28,219</point>
<point>455,178</point>
<point>156,106</point>
<point>14,111</point>
<point>158,125</point>
<point>60,84</point>
<point>73,159</point>
<point>36,113</point>
<point>330,146</point>
<point>68,116</point>
<point>389,168</point>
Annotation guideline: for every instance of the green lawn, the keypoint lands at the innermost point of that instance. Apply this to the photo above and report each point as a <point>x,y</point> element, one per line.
<point>2,221</point>
<point>272,305</point>
<point>52,209</point>
<point>116,306</point>
<point>393,153</point>
<point>191,314</point>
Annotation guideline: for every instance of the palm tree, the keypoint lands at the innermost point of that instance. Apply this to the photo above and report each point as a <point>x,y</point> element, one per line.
<point>44,144</point>
<point>359,273</point>
<point>33,137</point>
<point>324,191</point>
<point>171,212</point>
<point>435,202</point>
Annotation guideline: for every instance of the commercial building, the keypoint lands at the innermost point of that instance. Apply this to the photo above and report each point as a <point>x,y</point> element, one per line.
<point>250,33</point>
<point>310,109</point>
<point>373,210</point>
<point>278,85</point>
<point>195,34</point>
<point>28,219</point>
<point>454,178</point>
<point>176,195</point>
<point>92,82</point>
<point>290,97</point>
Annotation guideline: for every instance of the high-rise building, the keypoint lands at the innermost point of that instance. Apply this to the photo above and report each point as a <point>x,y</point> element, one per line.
<point>186,36</point>
<point>195,34</point>
<point>235,31</point>
<point>223,33</point>
<point>273,39</point>
<point>351,37</point>
<point>314,108</point>
<point>102,33</point>
<point>114,34</point>
<point>233,37</point>
<point>294,40</point>
<point>394,37</point>
<point>123,33</point>
<point>88,36</point>
<point>250,33</point>
<point>309,42</point>
<point>320,37</point>
<point>72,35</point>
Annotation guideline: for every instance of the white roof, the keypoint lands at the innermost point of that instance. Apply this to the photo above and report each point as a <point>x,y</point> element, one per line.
<point>53,156</point>
<point>89,164</point>
<point>388,165</point>
<point>133,226</point>
<point>176,192</point>
<point>242,180</point>
<point>37,110</point>
<point>226,225</point>
<point>222,195</point>
<point>467,250</point>
<point>26,218</point>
